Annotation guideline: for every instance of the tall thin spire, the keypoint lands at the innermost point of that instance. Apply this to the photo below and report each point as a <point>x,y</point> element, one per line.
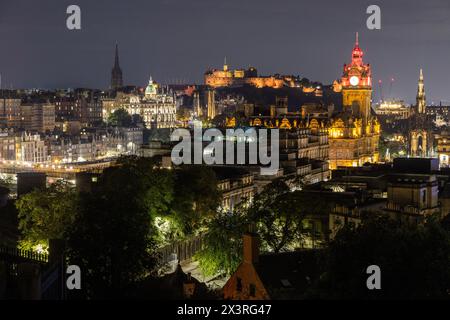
<point>357,53</point>
<point>421,99</point>
<point>116,73</point>
<point>116,60</point>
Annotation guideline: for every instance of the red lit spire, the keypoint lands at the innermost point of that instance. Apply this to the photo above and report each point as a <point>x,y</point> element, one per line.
<point>357,53</point>
<point>360,72</point>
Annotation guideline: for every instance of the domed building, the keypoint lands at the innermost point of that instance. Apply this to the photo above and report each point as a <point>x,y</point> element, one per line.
<point>156,106</point>
<point>152,89</point>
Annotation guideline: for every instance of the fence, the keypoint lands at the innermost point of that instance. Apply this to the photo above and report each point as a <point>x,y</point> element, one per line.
<point>181,250</point>
<point>14,253</point>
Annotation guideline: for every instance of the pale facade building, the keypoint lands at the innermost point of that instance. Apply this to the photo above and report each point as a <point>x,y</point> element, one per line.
<point>157,106</point>
<point>32,149</point>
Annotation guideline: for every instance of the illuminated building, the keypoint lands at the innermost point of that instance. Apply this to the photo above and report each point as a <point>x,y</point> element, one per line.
<point>443,149</point>
<point>22,147</point>
<point>30,115</point>
<point>226,78</point>
<point>354,133</point>
<point>37,116</point>
<point>439,114</point>
<point>420,99</point>
<point>197,106</point>
<point>412,197</point>
<point>10,112</point>
<point>94,143</point>
<point>156,106</point>
<point>236,186</point>
<point>211,104</point>
<point>31,148</point>
<point>7,144</point>
<point>83,106</point>
<point>393,110</point>
<point>304,146</point>
<point>420,133</point>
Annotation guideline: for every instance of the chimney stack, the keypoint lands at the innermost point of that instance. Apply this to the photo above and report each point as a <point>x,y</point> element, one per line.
<point>251,247</point>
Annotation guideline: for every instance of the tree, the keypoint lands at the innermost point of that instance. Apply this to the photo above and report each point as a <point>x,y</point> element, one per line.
<point>196,197</point>
<point>114,239</point>
<point>222,249</point>
<point>157,184</point>
<point>120,118</point>
<point>414,261</point>
<point>110,232</point>
<point>159,195</point>
<point>45,214</point>
<point>277,213</point>
<point>312,210</point>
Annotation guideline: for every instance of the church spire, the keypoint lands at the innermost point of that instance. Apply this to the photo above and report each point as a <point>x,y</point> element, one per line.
<point>421,99</point>
<point>357,40</point>
<point>116,60</point>
<point>116,73</point>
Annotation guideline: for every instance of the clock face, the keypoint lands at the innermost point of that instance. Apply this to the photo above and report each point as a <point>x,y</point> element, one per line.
<point>354,81</point>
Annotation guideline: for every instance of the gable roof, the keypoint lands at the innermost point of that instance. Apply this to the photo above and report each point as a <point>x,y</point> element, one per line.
<point>288,274</point>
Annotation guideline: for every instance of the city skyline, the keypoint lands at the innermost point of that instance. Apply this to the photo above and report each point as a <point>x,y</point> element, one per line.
<point>192,152</point>
<point>175,40</point>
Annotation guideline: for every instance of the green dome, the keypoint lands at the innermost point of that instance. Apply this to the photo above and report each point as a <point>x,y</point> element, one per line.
<point>151,88</point>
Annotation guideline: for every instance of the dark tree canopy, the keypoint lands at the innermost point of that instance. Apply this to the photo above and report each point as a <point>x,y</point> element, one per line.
<point>278,214</point>
<point>112,232</point>
<point>113,240</point>
<point>196,197</point>
<point>414,262</point>
<point>120,118</point>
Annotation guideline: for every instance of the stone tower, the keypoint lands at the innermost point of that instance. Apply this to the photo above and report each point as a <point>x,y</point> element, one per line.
<point>211,103</point>
<point>354,132</point>
<point>420,133</point>
<point>357,85</point>
<point>420,99</point>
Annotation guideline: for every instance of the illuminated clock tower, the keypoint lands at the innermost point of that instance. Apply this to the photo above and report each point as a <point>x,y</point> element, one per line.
<point>354,132</point>
<point>357,85</point>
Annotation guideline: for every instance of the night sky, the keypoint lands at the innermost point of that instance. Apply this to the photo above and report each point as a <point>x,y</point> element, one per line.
<point>180,39</point>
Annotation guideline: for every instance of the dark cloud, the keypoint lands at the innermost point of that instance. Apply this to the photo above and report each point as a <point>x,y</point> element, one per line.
<point>179,39</point>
